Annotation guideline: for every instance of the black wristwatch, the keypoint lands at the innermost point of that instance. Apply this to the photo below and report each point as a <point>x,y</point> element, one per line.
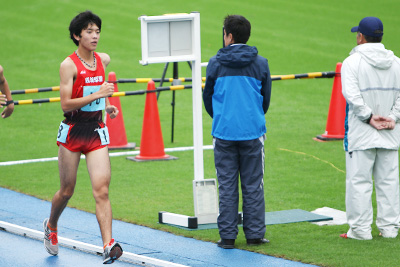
<point>369,119</point>
<point>9,102</point>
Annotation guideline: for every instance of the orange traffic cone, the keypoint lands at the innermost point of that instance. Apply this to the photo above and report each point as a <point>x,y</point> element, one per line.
<point>116,127</point>
<point>151,144</point>
<point>337,110</point>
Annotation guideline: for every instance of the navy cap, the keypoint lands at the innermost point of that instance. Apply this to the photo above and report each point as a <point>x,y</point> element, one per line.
<point>370,26</point>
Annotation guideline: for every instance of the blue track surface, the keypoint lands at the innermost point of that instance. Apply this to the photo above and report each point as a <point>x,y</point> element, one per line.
<point>81,226</point>
<point>22,251</point>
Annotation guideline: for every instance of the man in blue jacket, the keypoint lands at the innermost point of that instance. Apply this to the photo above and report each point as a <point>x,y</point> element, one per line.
<point>237,95</point>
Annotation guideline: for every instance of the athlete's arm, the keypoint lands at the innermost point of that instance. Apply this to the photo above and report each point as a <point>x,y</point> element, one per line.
<point>110,109</point>
<point>68,72</point>
<point>3,97</point>
<point>5,89</point>
<point>105,59</point>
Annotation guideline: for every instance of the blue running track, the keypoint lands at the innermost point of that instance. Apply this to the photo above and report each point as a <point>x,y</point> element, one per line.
<point>29,212</point>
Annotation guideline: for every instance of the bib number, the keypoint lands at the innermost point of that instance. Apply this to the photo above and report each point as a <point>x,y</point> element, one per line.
<point>104,136</point>
<point>63,133</point>
<point>98,104</point>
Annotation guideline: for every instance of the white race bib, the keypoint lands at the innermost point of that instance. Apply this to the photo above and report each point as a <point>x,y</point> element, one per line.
<point>63,133</point>
<point>98,104</point>
<point>104,136</point>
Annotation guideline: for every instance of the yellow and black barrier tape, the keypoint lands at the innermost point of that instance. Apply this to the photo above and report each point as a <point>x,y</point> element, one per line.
<point>310,75</point>
<point>116,94</point>
<point>35,90</point>
<point>329,74</point>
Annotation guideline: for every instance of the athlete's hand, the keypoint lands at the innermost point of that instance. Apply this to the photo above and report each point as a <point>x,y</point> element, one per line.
<point>106,89</point>
<point>112,111</point>
<point>7,111</point>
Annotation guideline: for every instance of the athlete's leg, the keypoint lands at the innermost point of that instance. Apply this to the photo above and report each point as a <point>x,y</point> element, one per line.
<point>98,164</point>
<point>68,163</point>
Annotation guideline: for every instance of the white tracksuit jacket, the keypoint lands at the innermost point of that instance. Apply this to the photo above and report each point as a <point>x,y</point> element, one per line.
<point>371,84</point>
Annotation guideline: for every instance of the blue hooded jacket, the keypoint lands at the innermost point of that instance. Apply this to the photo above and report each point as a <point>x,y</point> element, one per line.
<point>237,93</point>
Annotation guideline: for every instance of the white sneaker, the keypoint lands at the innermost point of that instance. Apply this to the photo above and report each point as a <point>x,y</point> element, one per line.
<point>50,239</point>
<point>112,252</point>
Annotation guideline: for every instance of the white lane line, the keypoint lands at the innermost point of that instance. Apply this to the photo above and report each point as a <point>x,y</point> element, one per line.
<point>113,154</point>
<point>85,247</point>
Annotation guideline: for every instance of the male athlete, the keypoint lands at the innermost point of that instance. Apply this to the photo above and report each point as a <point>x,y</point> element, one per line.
<point>83,93</point>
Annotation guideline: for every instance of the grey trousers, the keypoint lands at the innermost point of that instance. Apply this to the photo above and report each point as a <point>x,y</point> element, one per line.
<point>247,159</point>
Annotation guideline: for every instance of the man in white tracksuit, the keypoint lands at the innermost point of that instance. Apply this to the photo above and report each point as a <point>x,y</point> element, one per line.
<point>371,87</point>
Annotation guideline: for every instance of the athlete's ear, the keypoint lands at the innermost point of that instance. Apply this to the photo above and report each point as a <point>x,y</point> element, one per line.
<point>76,37</point>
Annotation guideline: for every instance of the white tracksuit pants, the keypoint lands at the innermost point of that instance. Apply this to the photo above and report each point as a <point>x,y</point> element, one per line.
<point>383,165</point>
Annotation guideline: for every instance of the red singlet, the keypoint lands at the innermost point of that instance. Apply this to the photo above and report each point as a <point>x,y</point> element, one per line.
<point>83,129</point>
<point>86,79</point>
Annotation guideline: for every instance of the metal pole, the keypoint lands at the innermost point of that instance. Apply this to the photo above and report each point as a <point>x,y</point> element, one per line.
<point>174,82</point>
<point>163,77</point>
<point>197,103</point>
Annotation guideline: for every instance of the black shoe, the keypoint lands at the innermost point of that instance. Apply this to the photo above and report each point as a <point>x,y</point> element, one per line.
<point>226,243</point>
<point>258,241</point>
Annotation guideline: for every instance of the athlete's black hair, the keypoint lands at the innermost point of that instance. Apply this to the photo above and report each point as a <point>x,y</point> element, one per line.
<point>81,22</point>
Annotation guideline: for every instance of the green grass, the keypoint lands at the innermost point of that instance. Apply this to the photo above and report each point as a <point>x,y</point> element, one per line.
<point>296,37</point>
